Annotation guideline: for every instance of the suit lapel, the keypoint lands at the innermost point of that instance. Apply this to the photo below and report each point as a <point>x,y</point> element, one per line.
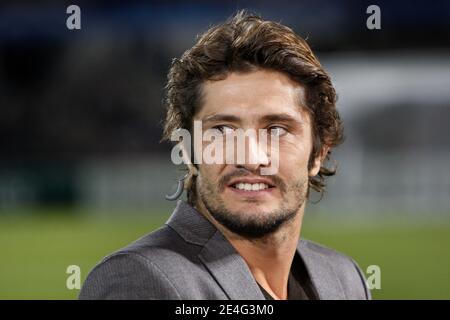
<point>219,257</point>
<point>321,273</point>
<point>229,269</point>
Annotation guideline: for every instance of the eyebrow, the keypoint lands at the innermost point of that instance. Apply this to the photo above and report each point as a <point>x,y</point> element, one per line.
<point>268,118</point>
<point>222,117</point>
<point>280,117</point>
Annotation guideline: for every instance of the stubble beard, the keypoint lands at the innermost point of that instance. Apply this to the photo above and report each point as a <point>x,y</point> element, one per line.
<point>255,225</point>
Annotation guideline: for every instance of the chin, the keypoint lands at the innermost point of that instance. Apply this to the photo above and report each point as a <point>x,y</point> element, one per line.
<point>259,208</point>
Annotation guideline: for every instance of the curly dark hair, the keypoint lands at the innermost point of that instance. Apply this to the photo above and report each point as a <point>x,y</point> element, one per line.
<point>243,43</point>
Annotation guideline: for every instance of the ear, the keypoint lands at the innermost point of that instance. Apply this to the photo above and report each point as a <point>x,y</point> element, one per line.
<point>318,161</point>
<point>186,155</point>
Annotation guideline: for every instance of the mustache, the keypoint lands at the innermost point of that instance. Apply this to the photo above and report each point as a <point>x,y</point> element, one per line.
<point>242,172</point>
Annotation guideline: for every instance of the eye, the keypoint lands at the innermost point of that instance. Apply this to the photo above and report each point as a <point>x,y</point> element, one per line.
<point>277,131</point>
<point>224,129</point>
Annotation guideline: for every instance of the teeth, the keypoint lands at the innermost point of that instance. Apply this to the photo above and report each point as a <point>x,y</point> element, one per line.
<point>251,186</point>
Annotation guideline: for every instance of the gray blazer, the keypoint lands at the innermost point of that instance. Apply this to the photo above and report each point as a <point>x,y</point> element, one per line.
<point>188,258</point>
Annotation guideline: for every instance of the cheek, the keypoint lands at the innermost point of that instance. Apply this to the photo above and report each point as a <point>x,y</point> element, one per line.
<point>210,173</point>
<point>293,158</point>
<point>294,154</point>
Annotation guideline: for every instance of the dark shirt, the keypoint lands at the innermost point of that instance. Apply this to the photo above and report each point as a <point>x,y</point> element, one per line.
<point>299,283</point>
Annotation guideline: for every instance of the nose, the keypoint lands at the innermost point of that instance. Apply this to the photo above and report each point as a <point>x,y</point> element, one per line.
<point>255,154</point>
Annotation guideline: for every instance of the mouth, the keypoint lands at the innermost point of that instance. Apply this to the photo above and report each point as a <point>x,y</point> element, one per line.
<point>248,186</point>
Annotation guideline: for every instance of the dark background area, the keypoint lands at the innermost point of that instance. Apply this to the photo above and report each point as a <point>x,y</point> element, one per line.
<point>96,93</point>
<point>67,95</point>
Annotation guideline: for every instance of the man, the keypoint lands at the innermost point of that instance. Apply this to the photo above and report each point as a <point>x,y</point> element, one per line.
<point>238,234</point>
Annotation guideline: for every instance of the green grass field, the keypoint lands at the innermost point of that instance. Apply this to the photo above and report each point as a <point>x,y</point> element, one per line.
<point>36,249</point>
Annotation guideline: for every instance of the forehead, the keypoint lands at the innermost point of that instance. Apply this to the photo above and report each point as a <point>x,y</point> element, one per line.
<point>253,93</point>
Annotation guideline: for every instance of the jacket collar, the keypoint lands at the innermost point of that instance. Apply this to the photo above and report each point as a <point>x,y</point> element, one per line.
<point>321,273</point>
<point>231,271</point>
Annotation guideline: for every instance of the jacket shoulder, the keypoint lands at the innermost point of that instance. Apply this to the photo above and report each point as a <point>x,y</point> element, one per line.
<point>127,275</point>
<point>136,271</point>
<point>346,269</point>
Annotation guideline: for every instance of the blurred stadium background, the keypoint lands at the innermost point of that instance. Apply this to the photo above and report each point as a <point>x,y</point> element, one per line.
<point>82,172</point>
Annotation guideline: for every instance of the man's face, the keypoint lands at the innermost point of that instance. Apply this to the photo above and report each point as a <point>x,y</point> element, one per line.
<point>256,100</point>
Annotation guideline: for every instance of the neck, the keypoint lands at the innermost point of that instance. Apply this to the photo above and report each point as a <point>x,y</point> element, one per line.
<point>269,258</point>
